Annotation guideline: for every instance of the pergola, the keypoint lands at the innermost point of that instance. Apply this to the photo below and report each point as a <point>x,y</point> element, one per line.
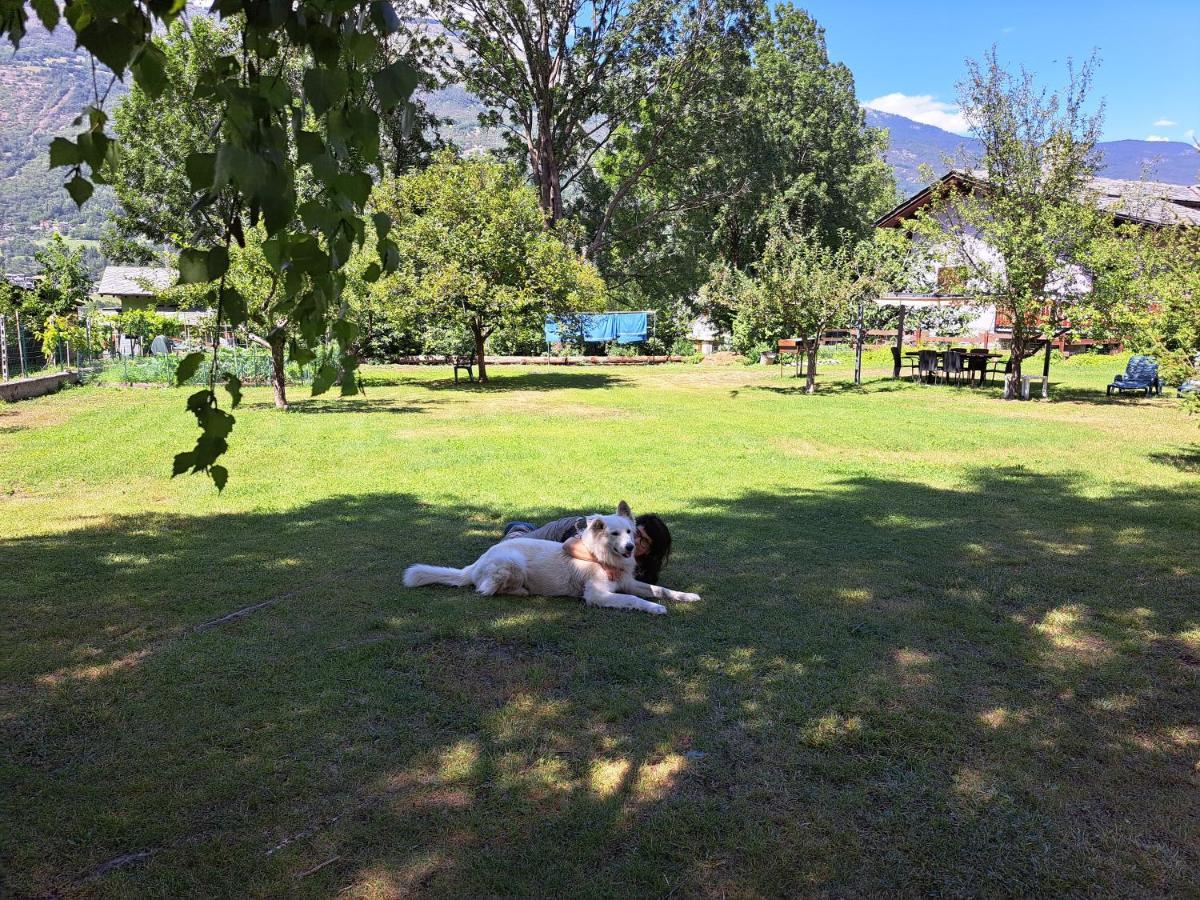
<point>905,302</point>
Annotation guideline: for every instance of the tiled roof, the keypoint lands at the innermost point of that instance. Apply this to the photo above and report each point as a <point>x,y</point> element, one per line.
<point>134,281</point>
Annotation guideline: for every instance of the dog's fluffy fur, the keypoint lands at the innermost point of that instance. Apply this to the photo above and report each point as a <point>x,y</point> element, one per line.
<point>523,566</point>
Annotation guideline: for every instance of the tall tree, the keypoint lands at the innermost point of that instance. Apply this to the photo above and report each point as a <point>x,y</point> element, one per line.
<point>779,138</point>
<point>562,78</point>
<point>1026,226</point>
<point>476,254</point>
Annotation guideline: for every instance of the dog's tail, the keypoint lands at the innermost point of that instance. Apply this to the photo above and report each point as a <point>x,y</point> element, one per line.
<point>419,575</point>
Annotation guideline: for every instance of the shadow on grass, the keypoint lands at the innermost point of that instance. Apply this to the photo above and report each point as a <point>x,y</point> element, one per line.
<point>500,378</point>
<point>1185,459</point>
<point>889,687</point>
<point>323,406</point>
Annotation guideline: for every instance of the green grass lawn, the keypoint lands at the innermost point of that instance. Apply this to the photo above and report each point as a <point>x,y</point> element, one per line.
<point>947,644</point>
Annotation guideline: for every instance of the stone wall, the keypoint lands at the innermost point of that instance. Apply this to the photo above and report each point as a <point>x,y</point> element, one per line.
<point>27,388</point>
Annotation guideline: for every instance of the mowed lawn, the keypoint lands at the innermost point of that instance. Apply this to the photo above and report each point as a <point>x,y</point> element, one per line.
<point>947,644</point>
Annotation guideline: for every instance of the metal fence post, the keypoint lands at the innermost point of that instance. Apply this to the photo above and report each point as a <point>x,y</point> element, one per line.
<point>3,350</point>
<point>20,343</point>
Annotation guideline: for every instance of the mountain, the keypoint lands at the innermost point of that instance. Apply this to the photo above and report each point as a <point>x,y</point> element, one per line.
<point>912,144</point>
<point>45,84</point>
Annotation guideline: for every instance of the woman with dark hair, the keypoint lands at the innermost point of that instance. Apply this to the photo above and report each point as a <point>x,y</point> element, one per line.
<point>652,543</point>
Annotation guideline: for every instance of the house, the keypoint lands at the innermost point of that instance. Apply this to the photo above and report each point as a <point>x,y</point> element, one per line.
<point>1148,204</point>
<point>122,288</point>
<point>706,336</point>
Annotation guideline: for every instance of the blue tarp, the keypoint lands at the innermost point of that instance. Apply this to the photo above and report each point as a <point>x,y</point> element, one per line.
<point>600,328</point>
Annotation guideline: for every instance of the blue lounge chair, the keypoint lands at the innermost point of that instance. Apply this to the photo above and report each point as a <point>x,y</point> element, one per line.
<point>1191,385</point>
<point>1140,375</point>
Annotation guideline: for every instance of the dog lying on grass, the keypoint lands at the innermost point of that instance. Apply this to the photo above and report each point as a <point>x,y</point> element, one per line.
<point>596,566</point>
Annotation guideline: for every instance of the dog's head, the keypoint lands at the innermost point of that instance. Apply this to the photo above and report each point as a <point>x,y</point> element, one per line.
<point>614,536</point>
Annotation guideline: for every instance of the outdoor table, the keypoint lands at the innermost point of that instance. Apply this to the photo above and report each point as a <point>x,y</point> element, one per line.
<point>965,354</point>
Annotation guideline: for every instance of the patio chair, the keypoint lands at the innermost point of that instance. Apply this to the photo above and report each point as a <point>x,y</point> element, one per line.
<point>977,364</point>
<point>899,362</point>
<point>1140,375</point>
<point>928,366</point>
<point>954,367</point>
<point>465,362</point>
<point>1000,367</point>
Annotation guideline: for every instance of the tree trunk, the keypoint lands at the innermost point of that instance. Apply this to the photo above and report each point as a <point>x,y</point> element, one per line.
<point>1012,383</point>
<point>278,370</point>
<point>480,337</point>
<point>810,377</point>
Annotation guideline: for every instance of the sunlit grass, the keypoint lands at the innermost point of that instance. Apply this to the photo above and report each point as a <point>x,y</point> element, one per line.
<point>947,644</point>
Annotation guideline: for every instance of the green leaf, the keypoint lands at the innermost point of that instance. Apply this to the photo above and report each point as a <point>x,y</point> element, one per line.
<point>372,272</point>
<point>309,146</point>
<point>201,170</point>
<point>324,88</point>
<point>150,70</point>
<point>188,366</point>
<point>219,475</point>
<point>233,307</point>
<point>183,462</point>
<point>324,379</point>
<point>218,262</point>
<point>233,385</point>
<point>193,266</point>
<point>383,224</point>
<point>64,153</point>
<point>355,185</point>
<point>47,11</point>
<point>110,42</point>
<point>383,14</point>
<point>80,190</point>
<point>394,84</point>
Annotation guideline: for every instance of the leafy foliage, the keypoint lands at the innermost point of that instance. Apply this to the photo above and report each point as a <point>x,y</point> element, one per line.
<point>476,254</point>
<point>1026,229</point>
<point>252,175</point>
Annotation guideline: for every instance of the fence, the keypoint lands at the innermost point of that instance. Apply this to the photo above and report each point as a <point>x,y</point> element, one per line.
<point>20,353</point>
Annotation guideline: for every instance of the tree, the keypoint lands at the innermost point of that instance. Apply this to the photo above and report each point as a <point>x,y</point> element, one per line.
<point>63,287</point>
<point>329,117</point>
<point>1026,227</point>
<point>158,134</point>
<point>802,287</point>
<point>778,138</point>
<point>562,78</point>
<point>476,253</point>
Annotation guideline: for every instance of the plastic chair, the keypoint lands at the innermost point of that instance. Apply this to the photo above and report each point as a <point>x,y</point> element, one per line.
<point>1140,375</point>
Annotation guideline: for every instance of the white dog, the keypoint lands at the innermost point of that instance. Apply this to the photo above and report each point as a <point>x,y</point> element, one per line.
<point>598,568</point>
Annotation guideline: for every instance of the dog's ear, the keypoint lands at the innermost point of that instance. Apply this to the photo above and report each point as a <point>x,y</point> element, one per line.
<point>597,524</point>
<point>624,510</point>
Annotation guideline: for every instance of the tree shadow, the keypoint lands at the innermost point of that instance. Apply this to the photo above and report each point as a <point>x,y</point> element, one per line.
<point>1185,459</point>
<point>889,687</point>
<point>323,406</point>
<point>499,379</point>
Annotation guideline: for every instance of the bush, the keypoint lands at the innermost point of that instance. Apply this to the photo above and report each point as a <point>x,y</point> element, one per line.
<point>683,347</point>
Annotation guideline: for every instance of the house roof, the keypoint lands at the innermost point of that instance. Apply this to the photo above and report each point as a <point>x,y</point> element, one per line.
<point>135,281</point>
<point>25,282</point>
<point>1138,202</point>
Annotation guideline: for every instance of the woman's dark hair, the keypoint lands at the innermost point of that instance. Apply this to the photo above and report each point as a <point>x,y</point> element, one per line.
<point>650,565</point>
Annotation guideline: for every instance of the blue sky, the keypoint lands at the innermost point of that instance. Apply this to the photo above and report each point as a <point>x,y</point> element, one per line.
<point>908,56</point>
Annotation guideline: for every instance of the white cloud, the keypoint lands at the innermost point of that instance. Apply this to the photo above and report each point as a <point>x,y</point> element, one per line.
<point>1164,123</point>
<point>921,108</point>
<point>1156,137</point>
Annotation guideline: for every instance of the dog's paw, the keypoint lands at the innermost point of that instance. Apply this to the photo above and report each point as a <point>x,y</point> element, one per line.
<point>689,598</point>
<point>656,609</point>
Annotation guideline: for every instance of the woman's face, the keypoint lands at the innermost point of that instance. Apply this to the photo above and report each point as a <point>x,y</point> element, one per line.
<point>641,543</point>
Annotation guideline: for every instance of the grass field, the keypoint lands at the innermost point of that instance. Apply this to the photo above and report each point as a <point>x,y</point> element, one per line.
<point>947,644</point>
